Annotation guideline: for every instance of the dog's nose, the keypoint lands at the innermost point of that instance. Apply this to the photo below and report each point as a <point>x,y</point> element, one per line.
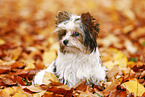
<point>65,42</point>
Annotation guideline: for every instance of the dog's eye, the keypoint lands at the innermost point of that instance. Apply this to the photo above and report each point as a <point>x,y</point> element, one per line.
<point>75,34</point>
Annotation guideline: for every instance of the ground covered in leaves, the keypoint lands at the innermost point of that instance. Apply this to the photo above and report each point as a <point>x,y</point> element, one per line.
<point>28,44</point>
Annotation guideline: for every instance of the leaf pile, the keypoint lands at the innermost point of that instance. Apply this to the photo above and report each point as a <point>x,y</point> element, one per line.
<point>28,45</point>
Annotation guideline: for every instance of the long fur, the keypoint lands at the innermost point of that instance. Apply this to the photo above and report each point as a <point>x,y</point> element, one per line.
<point>78,57</point>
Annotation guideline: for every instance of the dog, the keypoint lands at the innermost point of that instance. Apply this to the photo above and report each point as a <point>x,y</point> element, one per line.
<point>78,56</point>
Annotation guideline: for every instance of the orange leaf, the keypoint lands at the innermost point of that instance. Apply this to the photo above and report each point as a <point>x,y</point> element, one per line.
<point>5,69</point>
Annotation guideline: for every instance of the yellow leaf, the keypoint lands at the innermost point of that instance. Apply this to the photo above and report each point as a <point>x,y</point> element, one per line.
<point>109,64</point>
<point>130,64</point>
<point>47,94</point>
<point>48,77</point>
<point>90,5</point>
<point>40,94</point>
<point>48,57</point>
<point>135,87</point>
<point>6,92</point>
<point>33,88</point>
<point>114,71</point>
<point>29,64</point>
<point>121,62</point>
<point>64,87</point>
<point>87,94</point>
<point>2,42</point>
<point>118,59</point>
<point>20,94</point>
<point>118,56</point>
<point>54,46</point>
<point>16,53</point>
<point>112,86</point>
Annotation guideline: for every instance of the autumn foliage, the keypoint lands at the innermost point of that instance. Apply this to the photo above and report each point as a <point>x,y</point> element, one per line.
<point>28,45</point>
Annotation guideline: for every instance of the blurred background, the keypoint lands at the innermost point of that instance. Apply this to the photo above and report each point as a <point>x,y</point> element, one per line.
<point>30,23</point>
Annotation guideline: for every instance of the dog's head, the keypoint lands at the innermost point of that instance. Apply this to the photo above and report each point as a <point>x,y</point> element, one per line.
<point>76,33</point>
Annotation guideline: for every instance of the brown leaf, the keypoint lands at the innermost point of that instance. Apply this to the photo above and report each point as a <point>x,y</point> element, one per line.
<point>113,72</point>
<point>5,69</point>
<point>118,93</point>
<point>48,77</point>
<point>57,90</point>
<point>48,94</point>
<point>18,65</point>
<point>18,79</point>
<point>113,86</point>
<point>80,85</point>
<point>32,89</point>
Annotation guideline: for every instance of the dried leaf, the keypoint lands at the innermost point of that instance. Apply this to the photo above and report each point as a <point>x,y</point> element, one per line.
<point>7,92</point>
<point>17,65</point>
<point>135,87</point>
<point>118,59</point>
<point>48,77</point>
<point>2,42</point>
<point>5,69</point>
<point>33,89</point>
<point>113,72</point>
<point>21,93</point>
<point>29,64</point>
<point>88,94</point>
<point>47,94</point>
<point>48,57</point>
<point>113,86</point>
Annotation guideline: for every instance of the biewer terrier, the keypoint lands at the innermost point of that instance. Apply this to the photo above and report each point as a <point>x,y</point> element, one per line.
<point>78,56</point>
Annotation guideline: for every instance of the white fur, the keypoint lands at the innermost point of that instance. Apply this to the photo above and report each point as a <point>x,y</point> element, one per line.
<point>74,67</point>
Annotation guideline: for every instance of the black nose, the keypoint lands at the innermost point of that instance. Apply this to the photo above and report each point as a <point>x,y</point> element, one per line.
<point>65,42</point>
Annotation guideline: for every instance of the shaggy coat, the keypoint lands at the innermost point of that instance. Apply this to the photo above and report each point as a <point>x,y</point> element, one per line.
<point>78,56</point>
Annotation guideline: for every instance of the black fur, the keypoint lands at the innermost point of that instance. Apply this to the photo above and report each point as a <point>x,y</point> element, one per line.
<point>88,41</point>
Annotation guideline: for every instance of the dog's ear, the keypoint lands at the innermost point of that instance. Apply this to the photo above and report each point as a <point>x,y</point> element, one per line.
<point>91,29</point>
<point>62,16</point>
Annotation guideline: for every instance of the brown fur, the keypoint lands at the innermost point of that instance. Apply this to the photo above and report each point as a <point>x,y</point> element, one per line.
<point>62,16</point>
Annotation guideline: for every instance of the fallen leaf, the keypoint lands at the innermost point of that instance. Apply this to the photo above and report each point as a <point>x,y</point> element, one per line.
<point>130,64</point>
<point>19,80</point>
<point>118,59</point>
<point>6,92</point>
<point>118,93</point>
<point>128,74</point>
<point>57,90</point>
<point>130,47</point>
<point>113,72</point>
<point>48,77</point>
<point>80,85</point>
<point>20,93</point>
<point>29,64</point>
<point>109,40</point>
<point>33,89</point>
<point>41,94</point>
<point>46,94</point>
<point>17,65</point>
<point>88,94</point>
<point>135,87</point>
<point>48,57</point>
<point>15,53</point>
<point>5,69</point>
<point>2,42</point>
<point>63,87</point>
<point>113,86</point>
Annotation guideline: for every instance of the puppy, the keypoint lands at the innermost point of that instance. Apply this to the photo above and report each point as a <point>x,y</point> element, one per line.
<point>78,56</point>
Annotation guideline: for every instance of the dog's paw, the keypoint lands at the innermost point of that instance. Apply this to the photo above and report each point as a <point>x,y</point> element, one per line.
<point>38,79</point>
